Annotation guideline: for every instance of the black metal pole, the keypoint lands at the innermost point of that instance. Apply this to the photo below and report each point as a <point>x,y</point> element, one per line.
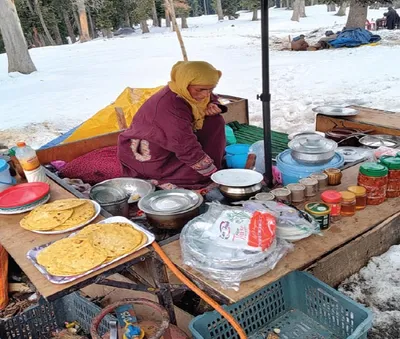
<point>265,96</point>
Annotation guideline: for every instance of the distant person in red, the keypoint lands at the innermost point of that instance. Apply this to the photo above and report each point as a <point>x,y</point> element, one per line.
<point>177,138</point>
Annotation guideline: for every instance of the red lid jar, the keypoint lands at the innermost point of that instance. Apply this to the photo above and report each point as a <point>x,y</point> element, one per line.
<point>333,199</point>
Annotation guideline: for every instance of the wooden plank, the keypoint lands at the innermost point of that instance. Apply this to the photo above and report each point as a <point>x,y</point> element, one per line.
<point>350,258</point>
<point>381,122</point>
<point>18,242</point>
<point>72,150</point>
<point>307,251</point>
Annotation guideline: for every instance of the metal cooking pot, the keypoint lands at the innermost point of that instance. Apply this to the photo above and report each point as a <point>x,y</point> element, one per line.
<point>346,136</point>
<point>240,193</point>
<point>312,150</point>
<point>114,200</point>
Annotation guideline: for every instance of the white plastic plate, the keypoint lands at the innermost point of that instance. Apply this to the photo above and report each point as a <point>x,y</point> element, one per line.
<point>237,177</point>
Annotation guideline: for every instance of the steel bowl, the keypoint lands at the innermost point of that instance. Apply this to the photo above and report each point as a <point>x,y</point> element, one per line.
<point>113,199</point>
<point>174,221</point>
<point>240,193</point>
<point>313,158</point>
<point>134,188</point>
<point>377,140</point>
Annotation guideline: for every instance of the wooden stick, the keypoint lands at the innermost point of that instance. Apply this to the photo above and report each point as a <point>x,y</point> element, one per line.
<point>171,10</point>
<point>120,118</point>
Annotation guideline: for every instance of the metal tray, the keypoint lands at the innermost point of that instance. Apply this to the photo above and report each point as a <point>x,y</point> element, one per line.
<point>32,254</point>
<point>378,140</point>
<point>335,111</point>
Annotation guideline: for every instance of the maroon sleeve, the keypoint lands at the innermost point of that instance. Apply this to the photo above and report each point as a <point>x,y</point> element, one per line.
<point>214,100</point>
<point>176,124</point>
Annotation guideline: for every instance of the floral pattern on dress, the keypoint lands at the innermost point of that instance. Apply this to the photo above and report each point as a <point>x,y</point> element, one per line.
<point>140,150</point>
<point>205,166</point>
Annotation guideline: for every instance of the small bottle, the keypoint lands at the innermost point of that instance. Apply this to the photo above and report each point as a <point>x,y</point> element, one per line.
<point>348,204</point>
<point>361,196</point>
<point>30,163</point>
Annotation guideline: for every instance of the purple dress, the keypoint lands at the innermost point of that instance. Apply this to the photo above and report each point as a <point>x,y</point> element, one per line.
<point>160,145</point>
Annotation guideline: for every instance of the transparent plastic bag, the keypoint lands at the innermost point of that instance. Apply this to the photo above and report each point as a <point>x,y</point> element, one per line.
<point>226,265</point>
<point>292,224</point>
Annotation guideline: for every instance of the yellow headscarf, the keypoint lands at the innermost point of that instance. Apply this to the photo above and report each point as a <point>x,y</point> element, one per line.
<point>185,73</point>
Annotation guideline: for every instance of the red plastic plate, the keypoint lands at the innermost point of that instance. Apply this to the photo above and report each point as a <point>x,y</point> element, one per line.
<point>23,194</point>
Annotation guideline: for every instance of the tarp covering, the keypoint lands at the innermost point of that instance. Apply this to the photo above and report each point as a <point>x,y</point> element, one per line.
<point>105,121</point>
<point>354,37</point>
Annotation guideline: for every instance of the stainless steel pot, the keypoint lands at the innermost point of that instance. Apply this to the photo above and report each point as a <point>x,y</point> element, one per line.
<point>313,159</point>
<point>312,150</point>
<point>114,200</point>
<point>240,193</point>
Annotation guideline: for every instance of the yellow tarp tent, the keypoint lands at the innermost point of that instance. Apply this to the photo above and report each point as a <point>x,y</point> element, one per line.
<point>105,121</point>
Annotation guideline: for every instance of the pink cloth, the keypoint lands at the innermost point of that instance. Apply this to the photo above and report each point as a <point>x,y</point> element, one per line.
<point>160,145</point>
<point>94,167</point>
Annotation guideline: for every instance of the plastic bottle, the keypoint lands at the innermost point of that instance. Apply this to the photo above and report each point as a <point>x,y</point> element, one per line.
<point>30,163</point>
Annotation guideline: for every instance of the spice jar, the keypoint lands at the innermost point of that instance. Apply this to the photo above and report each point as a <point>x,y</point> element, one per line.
<point>322,179</point>
<point>311,186</point>
<point>333,199</point>
<point>361,196</point>
<point>320,212</point>
<point>334,176</point>
<point>263,197</point>
<point>348,204</point>
<point>374,178</point>
<point>393,186</point>
<point>298,192</point>
<point>282,195</point>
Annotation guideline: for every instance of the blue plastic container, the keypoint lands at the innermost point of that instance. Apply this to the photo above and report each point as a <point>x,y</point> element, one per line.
<point>236,155</point>
<point>292,171</point>
<point>300,305</point>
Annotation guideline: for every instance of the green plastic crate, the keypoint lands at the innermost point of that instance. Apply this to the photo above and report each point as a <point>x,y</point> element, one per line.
<point>39,321</point>
<point>300,305</point>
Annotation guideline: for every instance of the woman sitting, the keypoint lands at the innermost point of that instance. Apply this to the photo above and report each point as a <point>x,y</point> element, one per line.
<point>177,138</point>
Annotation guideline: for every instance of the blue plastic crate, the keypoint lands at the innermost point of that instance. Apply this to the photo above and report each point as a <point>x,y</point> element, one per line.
<point>39,321</point>
<point>298,304</point>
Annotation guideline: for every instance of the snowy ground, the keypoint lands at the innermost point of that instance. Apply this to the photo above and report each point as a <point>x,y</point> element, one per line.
<point>74,81</point>
<point>378,286</point>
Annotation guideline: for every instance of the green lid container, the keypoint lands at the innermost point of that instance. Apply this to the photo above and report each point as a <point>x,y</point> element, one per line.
<point>392,163</point>
<point>373,169</point>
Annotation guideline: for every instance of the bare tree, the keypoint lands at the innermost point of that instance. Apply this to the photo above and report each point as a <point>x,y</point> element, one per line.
<point>357,15</point>
<point>38,11</point>
<point>69,26</point>
<point>331,7</point>
<point>218,8</point>
<point>156,22</point>
<point>296,10</point>
<point>303,9</point>
<point>342,9</point>
<point>18,56</point>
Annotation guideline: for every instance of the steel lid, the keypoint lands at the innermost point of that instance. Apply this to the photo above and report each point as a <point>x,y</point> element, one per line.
<point>312,144</point>
<point>352,154</point>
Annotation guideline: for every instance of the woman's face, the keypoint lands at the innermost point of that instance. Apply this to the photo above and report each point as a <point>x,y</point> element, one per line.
<point>200,92</point>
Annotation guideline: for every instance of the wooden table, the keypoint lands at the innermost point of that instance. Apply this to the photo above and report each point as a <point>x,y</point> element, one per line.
<point>18,241</point>
<point>342,233</point>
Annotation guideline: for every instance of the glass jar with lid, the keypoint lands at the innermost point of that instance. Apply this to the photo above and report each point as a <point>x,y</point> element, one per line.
<point>374,178</point>
<point>348,204</point>
<point>393,186</point>
<point>361,196</point>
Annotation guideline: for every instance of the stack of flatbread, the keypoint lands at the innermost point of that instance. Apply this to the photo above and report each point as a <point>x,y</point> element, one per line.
<point>94,245</point>
<point>59,215</point>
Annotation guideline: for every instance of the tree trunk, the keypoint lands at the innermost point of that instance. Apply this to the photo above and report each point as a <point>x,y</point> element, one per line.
<point>43,23</point>
<point>303,9</point>
<point>296,10</point>
<point>255,15</point>
<point>331,7</point>
<point>36,37</point>
<point>357,15</point>
<point>127,19</point>
<point>156,22</point>
<point>184,23</point>
<point>91,24</point>
<point>18,56</point>
<point>70,30</point>
<point>77,23</point>
<point>171,9</point>
<point>83,21</point>
<point>42,39</point>
<point>220,13</point>
<point>287,4</point>
<point>342,9</point>
<point>144,26</point>
<point>56,32</point>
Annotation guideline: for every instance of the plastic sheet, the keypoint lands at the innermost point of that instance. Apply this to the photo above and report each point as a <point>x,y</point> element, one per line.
<point>227,265</point>
<point>292,224</point>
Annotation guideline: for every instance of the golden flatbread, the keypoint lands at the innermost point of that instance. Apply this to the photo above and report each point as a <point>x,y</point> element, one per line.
<point>71,256</point>
<point>116,239</point>
<point>64,204</point>
<point>80,215</point>
<point>40,219</point>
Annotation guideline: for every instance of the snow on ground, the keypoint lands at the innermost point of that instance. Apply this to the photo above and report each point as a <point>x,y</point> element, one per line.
<point>74,81</point>
<point>377,286</point>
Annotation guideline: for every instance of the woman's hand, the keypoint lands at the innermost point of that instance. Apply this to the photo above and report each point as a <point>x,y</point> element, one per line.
<point>212,109</point>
